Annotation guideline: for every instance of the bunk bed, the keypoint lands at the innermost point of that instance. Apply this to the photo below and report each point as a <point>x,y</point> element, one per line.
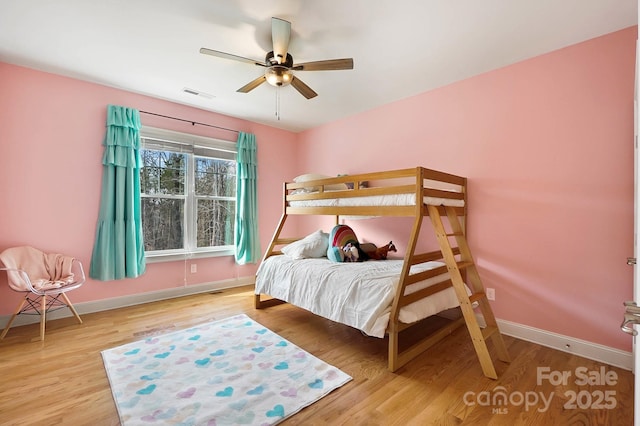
<point>421,279</point>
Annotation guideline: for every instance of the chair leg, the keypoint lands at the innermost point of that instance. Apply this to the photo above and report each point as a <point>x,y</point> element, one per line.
<point>17,311</point>
<point>43,315</point>
<point>68,302</point>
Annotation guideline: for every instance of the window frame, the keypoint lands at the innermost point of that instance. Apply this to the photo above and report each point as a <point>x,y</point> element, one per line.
<point>193,146</point>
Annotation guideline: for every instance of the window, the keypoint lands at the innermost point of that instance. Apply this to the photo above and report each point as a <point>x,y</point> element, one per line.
<point>187,189</point>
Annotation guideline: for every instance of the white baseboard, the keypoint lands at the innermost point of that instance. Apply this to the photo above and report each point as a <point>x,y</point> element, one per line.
<point>135,299</point>
<point>590,350</point>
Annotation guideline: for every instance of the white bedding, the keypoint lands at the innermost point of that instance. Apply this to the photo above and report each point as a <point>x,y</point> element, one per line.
<point>357,294</point>
<point>408,199</point>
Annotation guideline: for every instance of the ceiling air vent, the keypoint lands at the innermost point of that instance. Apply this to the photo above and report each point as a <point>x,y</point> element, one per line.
<point>197,93</point>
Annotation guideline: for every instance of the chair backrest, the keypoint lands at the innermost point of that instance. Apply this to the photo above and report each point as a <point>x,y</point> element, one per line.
<point>39,266</point>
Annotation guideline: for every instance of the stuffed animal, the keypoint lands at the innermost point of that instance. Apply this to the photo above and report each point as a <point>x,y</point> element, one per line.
<point>351,253</point>
<point>378,253</point>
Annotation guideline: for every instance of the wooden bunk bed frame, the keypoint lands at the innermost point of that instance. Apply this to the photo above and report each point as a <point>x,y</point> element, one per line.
<point>455,254</point>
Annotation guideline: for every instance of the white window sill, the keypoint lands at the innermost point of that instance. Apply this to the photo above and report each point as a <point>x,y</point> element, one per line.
<point>172,257</point>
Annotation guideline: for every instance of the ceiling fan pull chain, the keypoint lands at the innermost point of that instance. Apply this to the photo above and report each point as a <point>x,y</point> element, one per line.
<point>278,103</point>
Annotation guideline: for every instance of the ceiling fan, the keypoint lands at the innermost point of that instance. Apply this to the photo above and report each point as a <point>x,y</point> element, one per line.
<point>279,62</point>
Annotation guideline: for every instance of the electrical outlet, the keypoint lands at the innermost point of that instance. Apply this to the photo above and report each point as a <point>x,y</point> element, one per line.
<point>194,268</point>
<point>491,293</point>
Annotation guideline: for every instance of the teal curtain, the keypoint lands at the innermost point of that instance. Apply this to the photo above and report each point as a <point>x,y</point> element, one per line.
<point>118,251</point>
<point>247,240</point>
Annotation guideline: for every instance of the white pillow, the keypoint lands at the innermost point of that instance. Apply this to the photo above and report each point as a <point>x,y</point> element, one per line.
<point>313,245</point>
<point>315,176</point>
<point>308,177</point>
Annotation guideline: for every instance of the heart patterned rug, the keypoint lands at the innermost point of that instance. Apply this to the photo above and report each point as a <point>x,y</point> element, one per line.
<point>228,372</point>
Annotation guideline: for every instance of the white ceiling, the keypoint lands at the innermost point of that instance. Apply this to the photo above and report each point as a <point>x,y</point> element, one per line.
<point>400,47</point>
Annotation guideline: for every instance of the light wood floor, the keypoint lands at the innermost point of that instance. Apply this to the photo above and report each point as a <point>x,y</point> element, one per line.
<point>62,380</point>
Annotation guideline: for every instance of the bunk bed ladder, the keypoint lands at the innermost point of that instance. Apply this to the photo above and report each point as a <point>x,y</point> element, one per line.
<point>466,264</point>
<point>275,240</point>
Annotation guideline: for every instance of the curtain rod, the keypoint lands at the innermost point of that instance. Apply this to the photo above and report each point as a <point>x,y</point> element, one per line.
<point>193,123</point>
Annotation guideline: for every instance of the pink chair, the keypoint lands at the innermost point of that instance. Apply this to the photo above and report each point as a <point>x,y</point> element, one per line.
<point>44,278</point>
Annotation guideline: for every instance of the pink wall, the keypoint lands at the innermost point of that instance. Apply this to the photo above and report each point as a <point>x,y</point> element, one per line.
<point>51,130</point>
<point>547,145</point>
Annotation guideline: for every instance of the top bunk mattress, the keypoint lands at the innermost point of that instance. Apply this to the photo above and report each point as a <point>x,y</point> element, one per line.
<point>408,199</point>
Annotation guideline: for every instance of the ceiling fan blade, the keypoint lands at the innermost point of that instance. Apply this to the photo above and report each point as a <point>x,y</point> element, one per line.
<point>280,35</point>
<point>328,65</point>
<point>304,90</point>
<point>223,55</point>
<point>252,84</point>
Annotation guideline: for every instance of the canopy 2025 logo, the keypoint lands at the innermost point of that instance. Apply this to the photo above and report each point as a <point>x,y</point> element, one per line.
<point>499,399</point>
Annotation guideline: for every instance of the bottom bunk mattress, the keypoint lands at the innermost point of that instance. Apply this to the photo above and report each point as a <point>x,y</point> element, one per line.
<point>357,294</point>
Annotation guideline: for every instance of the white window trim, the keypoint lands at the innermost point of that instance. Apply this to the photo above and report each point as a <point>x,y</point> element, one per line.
<point>192,145</point>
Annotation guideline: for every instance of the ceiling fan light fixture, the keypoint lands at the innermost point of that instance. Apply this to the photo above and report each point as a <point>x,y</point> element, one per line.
<point>278,76</point>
